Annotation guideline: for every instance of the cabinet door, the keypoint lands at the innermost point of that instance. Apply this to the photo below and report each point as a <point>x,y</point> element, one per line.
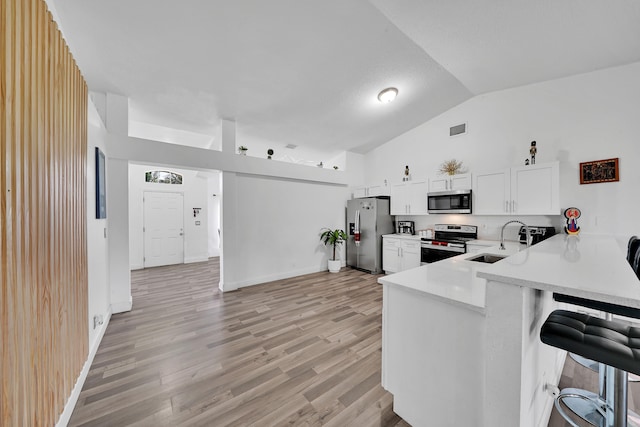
<point>439,183</point>
<point>491,192</point>
<point>399,204</point>
<point>535,189</point>
<point>417,197</point>
<point>460,182</point>
<point>360,192</point>
<point>390,255</point>
<point>378,190</point>
<point>410,255</point>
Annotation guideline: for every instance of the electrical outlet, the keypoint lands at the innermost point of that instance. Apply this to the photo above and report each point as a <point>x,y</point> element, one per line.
<point>97,320</point>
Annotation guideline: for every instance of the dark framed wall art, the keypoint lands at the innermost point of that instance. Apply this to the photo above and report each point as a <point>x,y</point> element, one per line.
<point>599,171</point>
<point>101,187</point>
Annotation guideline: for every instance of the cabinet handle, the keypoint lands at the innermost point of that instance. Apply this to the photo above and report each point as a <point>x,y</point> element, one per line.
<point>514,206</point>
<point>506,206</point>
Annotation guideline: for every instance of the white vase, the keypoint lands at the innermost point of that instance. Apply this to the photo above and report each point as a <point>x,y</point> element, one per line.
<point>334,266</point>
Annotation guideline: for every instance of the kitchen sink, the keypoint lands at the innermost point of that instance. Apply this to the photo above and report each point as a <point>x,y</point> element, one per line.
<point>486,258</point>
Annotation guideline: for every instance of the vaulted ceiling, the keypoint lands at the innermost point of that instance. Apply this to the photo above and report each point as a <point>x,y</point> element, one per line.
<point>308,72</point>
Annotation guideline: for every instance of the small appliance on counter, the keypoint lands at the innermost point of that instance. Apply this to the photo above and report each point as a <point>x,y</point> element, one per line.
<point>538,234</point>
<point>406,227</point>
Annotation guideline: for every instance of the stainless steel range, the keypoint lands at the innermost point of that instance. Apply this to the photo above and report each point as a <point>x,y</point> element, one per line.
<point>448,240</point>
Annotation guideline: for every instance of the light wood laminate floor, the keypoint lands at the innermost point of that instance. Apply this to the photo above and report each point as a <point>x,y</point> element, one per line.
<point>300,351</point>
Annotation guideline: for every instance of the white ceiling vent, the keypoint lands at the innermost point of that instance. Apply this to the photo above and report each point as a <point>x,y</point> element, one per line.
<point>458,129</point>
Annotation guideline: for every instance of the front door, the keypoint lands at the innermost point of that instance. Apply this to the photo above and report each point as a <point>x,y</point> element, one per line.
<point>163,229</point>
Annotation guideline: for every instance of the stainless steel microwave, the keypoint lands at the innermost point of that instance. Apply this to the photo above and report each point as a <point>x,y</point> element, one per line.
<point>455,201</point>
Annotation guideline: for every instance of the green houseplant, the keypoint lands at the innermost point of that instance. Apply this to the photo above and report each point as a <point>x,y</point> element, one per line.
<point>334,238</point>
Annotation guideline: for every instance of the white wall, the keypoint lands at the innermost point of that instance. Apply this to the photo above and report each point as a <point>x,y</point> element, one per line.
<point>271,227</point>
<point>118,228</point>
<point>214,196</point>
<point>195,190</point>
<point>97,243</point>
<point>576,119</point>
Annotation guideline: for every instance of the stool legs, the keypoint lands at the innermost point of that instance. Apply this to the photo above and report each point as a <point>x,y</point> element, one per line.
<point>616,397</point>
<point>608,409</point>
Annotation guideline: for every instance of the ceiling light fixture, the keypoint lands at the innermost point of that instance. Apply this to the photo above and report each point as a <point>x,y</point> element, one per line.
<point>388,94</point>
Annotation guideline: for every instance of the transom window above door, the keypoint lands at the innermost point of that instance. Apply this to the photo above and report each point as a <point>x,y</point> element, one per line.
<point>163,177</point>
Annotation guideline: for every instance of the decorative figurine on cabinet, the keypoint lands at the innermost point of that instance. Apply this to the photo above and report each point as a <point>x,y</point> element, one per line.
<point>572,215</point>
<point>407,175</point>
<point>526,162</point>
<point>533,151</point>
<point>269,153</point>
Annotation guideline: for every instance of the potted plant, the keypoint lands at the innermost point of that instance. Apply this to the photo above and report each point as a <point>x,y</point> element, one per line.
<point>242,150</point>
<point>333,238</point>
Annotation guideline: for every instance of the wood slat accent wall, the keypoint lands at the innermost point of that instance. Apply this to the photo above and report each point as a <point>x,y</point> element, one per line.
<point>43,137</point>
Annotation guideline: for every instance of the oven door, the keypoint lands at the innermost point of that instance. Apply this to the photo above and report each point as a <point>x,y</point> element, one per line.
<point>429,254</point>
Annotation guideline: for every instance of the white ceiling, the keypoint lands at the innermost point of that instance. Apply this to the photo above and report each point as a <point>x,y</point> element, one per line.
<point>308,72</point>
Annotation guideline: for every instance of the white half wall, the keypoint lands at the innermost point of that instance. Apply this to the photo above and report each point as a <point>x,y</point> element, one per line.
<point>575,119</point>
<point>97,233</point>
<point>118,227</point>
<point>271,227</point>
<point>195,190</point>
<point>214,196</point>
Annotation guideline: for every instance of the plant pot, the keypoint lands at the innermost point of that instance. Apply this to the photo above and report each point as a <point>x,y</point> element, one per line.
<point>334,266</point>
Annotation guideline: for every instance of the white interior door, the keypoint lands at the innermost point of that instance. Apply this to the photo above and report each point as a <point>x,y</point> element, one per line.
<point>163,229</point>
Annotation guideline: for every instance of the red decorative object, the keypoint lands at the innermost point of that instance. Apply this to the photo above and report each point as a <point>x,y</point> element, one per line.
<point>599,171</point>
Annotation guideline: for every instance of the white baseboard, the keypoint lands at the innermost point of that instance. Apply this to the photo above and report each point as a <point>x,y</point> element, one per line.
<point>136,267</point>
<point>196,259</point>
<point>121,306</point>
<point>64,418</point>
<point>270,278</point>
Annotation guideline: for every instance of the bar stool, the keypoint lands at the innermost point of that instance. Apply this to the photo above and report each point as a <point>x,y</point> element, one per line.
<point>574,398</point>
<point>612,343</point>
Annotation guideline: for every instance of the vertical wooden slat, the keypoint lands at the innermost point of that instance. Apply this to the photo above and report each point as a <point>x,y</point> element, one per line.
<point>43,136</point>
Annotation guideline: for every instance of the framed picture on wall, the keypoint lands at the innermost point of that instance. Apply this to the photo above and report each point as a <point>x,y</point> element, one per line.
<point>101,187</point>
<point>599,171</point>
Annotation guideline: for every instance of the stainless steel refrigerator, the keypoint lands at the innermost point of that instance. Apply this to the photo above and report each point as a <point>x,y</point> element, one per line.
<point>367,220</point>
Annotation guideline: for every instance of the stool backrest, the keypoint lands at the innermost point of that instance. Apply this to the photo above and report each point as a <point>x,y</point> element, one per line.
<point>636,264</point>
<point>632,249</point>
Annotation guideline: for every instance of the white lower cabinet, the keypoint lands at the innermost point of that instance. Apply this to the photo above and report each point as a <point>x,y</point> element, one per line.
<point>409,198</point>
<point>523,190</point>
<point>399,254</point>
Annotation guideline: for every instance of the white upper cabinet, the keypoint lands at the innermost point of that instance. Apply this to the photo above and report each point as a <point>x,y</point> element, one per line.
<point>373,190</point>
<point>523,190</point>
<point>535,189</point>
<point>491,192</point>
<point>450,182</point>
<point>409,198</point>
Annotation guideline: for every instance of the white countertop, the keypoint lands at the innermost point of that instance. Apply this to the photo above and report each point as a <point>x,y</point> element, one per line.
<point>452,280</point>
<point>586,266</point>
<point>403,236</point>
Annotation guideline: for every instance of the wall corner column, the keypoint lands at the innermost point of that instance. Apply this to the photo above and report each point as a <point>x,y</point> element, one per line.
<point>229,256</point>
<point>118,227</point>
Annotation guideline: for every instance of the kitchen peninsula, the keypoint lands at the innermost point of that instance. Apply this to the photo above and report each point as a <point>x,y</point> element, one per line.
<point>460,339</point>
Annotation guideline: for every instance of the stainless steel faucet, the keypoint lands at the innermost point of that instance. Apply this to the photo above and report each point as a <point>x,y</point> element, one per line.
<point>526,230</point>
